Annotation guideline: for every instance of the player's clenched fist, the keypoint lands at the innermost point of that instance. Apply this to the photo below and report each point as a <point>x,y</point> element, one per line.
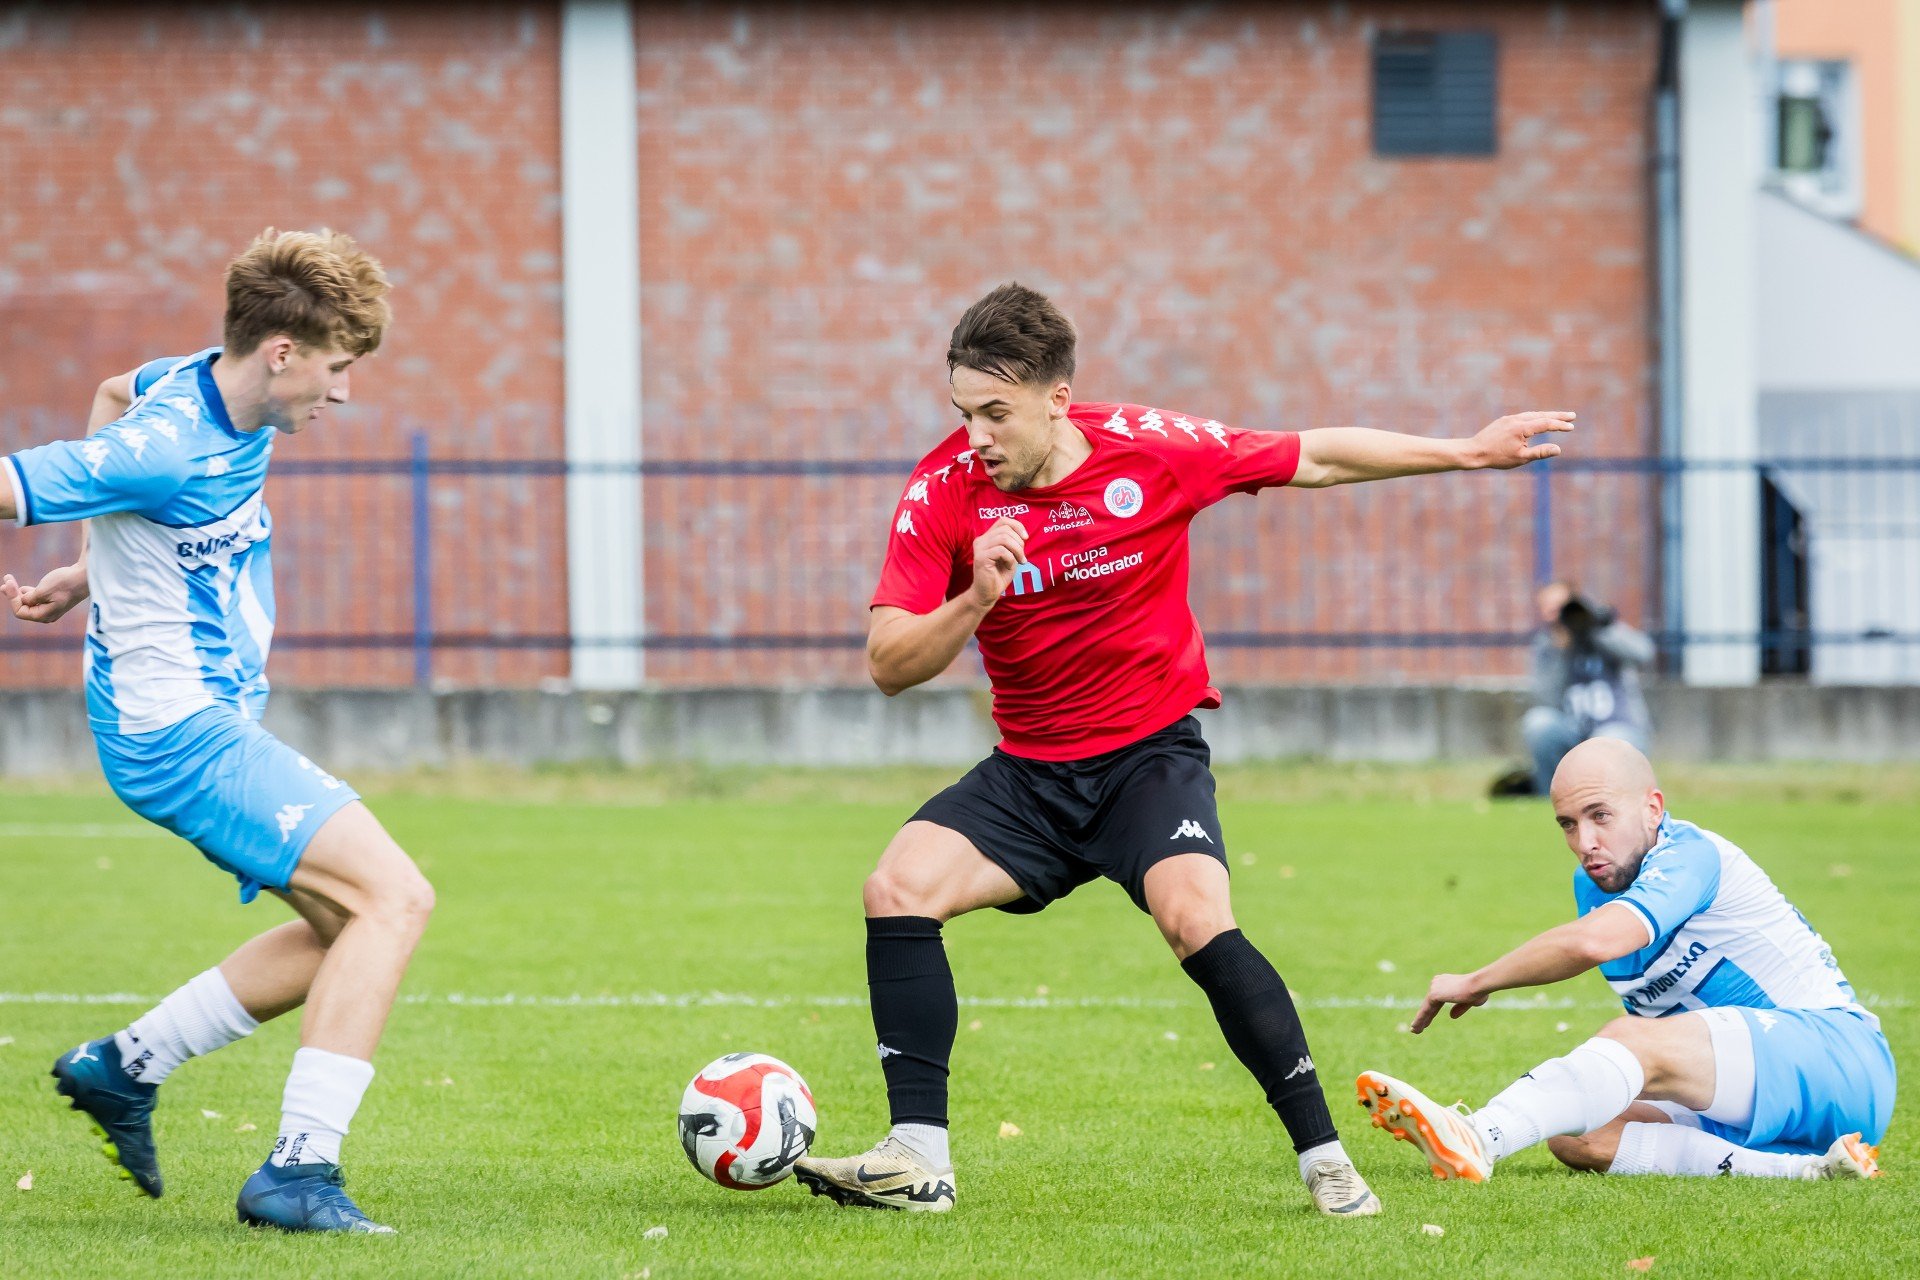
<point>997,555</point>
<point>1504,443</point>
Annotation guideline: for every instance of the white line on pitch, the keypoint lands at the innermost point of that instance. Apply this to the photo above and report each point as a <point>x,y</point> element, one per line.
<point>83,831</point>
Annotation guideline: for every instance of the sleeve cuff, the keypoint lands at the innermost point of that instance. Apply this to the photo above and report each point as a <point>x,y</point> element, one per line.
<point>22,501</point>
<point>1653,928</point>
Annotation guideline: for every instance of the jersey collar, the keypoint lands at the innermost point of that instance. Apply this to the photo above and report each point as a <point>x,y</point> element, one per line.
<point>210,392</point>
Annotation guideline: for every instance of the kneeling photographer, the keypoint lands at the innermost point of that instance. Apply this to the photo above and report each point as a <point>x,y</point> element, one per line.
<point>1585,684</point>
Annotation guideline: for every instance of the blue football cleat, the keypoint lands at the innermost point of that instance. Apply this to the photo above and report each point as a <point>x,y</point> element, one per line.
<point>302,1197</point>
<point>121,1109</point>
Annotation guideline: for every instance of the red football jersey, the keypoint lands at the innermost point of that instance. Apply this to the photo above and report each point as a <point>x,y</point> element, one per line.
<point>1093,645</point>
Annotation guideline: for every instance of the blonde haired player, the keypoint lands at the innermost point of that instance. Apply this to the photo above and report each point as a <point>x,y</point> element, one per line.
<point>1743,1049</point>
<point>178,567</point>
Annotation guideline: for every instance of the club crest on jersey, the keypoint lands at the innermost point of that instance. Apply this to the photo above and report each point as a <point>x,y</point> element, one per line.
<point>1124,499</point>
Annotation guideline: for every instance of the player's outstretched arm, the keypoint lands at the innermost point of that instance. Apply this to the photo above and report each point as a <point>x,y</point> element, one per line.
<point>1554,956</point>
<point>1349,455</point>
<point>61,589</point>
<point>906,648</point>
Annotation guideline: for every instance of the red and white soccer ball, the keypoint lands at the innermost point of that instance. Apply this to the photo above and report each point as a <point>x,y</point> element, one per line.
<point>745,1119</point>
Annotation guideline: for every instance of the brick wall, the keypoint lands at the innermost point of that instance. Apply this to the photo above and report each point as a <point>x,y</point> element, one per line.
<point>823,190</point>
<point>143,146</point>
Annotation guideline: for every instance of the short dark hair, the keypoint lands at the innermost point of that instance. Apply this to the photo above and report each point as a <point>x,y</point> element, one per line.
<point>1016,334</point>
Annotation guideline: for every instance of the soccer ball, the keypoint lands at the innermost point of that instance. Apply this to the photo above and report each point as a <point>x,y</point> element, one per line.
<point>745,1119</point>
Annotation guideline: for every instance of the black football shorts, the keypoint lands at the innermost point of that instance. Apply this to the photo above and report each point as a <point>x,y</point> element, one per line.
<point>1054,825</point>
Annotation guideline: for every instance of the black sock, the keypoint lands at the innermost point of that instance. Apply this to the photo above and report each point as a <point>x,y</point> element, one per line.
<point>915,1014</point>
<point>1264,1032</point>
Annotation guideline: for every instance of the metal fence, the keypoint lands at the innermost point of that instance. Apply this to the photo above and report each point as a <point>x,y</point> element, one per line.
<point>425,570</point>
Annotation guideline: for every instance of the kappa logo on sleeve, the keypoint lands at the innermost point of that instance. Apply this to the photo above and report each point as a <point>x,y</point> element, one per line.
<point>905,523</point>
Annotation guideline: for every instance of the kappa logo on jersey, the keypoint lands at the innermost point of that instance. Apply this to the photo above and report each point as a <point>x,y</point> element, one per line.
<point>136,442</point>
<point>1124,498</point>
<point>290,817</point>
<point>217,467</point>
<point>1118,425</point>
<point>1152,421</point>
<point>186,406</point>
<point>1012,509</point>
<point>1766,1020</point>
<point>917,492</point>
<point>1191,830</point>
<point>905,523</point>
<point>165,428</point>
<point>1217,431</point>
<point>94,454</point>
<point>1193,432</point>
<point>1066,516</point>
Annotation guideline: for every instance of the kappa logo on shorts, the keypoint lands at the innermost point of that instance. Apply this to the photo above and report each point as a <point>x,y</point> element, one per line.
<point>290,817</point>
<point>1191,830</point>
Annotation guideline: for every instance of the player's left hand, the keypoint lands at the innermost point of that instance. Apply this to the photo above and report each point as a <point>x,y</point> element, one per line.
<point>51,598</point>
<point>1503,444</point>
<point>1447,989</point>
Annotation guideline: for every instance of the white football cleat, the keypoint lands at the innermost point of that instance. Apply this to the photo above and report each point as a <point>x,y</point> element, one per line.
<point>1339,1191</point>
<point>1445,1137</point>
<point>891,1176</point>
<point>1847,1159</point>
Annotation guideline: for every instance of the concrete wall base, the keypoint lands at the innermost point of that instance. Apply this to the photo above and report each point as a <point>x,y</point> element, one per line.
<point>46,732</point>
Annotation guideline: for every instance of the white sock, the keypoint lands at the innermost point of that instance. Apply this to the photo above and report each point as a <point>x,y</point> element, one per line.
<point>198,1018</point>
<point>323,1091</point>
<point>928,1141</point>
<point>1325,1151</point>
<point>1575,1094</point>
<point>1694,1153</point>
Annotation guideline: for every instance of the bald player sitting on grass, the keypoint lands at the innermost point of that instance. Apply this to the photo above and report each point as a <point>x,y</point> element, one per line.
<point>1743,1050</point>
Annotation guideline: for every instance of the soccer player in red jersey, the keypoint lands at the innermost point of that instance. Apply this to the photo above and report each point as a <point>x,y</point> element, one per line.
<point>1055,534</point>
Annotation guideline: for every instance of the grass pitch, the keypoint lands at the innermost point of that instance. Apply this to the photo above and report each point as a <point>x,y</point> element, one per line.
<point>598,944</point>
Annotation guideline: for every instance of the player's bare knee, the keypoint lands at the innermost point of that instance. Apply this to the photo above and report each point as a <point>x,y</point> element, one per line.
<point>1190,923</point>
<point>888,893</point>
<point>1629,1031</point>
<point>1586,1153</point>
<point>402,901</point>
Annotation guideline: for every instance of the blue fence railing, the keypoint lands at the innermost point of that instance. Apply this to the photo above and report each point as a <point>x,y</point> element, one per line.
<point>752,565</point>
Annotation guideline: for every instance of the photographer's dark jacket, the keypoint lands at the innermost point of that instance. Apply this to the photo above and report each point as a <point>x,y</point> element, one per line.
<point>1594,680</point>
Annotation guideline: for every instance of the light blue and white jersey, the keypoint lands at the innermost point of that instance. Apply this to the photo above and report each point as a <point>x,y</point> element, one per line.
<point>178,562</point>
<point>1719,934</point>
